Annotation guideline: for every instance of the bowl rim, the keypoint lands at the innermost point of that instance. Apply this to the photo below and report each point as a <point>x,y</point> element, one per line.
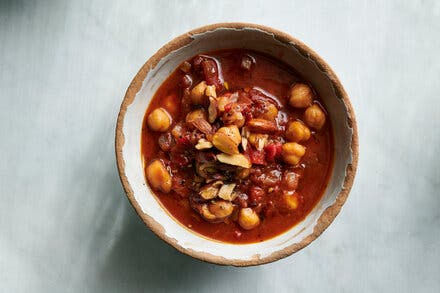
<point>328,214</point>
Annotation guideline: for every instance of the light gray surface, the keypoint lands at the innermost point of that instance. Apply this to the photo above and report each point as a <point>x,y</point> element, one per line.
<point>65,225</point>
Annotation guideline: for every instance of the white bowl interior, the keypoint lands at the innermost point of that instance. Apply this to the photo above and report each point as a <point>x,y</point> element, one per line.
<point>223,38</point>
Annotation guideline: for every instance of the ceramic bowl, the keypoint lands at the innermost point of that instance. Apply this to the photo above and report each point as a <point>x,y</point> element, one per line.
<point>283,47</point>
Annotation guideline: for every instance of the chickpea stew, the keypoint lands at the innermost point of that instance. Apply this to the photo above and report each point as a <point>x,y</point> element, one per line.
<point>236,146</point>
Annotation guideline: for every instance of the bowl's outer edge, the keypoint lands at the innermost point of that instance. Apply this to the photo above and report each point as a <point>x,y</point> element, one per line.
<point>326,217</point>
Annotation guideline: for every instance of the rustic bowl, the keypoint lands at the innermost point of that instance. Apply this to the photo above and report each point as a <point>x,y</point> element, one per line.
<point>283,47</point>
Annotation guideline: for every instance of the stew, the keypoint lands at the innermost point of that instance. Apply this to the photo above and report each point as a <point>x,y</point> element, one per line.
<point>236,146</point>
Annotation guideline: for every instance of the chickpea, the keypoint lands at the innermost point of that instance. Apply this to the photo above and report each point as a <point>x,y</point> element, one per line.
<point>297,131</point>
<point>233,117</point>
<point>222,102</point>
<point>291,200</point>
<point>248,219</point>
<point>198,113</point>
<point>158,176</point>
<point>301,96</point>
<point>271,113</point>
<point>159,120</point>
<point>293,152</point>
<point>197,93</point>
<point>314,116</point>
<point>227,139</point>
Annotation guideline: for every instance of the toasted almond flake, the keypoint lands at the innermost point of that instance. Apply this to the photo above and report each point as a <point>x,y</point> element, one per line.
<point>210,91</point>
<point>260,145</point>
<point>226,85</point>
<point>203,144</point>
<point>245,132</point>
<point>212,109</point>
<point>262,141</point>
<point>210,191</point>
<point>226,192</point>
<point>235,160</point>
<point>258,140</point>
<point>244,143</point>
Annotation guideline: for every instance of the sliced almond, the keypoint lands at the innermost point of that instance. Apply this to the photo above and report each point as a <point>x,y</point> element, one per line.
<point>226,192</point>
<point>212,109</point>
<point>244,142</point>
<point>262,142</point>
<point>258,140</point>
<point>245,132</point>
<point>210,91</point>
<point>210,191</point>
<point>235,160</point>
<point>203,144</point>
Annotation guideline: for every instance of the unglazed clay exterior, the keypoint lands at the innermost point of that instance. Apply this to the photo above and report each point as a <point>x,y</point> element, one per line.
<point>282,47</point>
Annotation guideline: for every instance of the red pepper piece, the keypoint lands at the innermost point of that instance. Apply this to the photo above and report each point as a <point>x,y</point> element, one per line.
<point>273,151</point>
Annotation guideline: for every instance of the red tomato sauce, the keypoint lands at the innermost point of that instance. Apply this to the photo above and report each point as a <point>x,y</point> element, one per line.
<point>273,80</point>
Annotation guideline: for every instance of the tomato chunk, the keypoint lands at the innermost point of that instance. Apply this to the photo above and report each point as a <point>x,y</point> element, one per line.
<point>256,195</point>
<point>257,157</point>
<point>273,151</point>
